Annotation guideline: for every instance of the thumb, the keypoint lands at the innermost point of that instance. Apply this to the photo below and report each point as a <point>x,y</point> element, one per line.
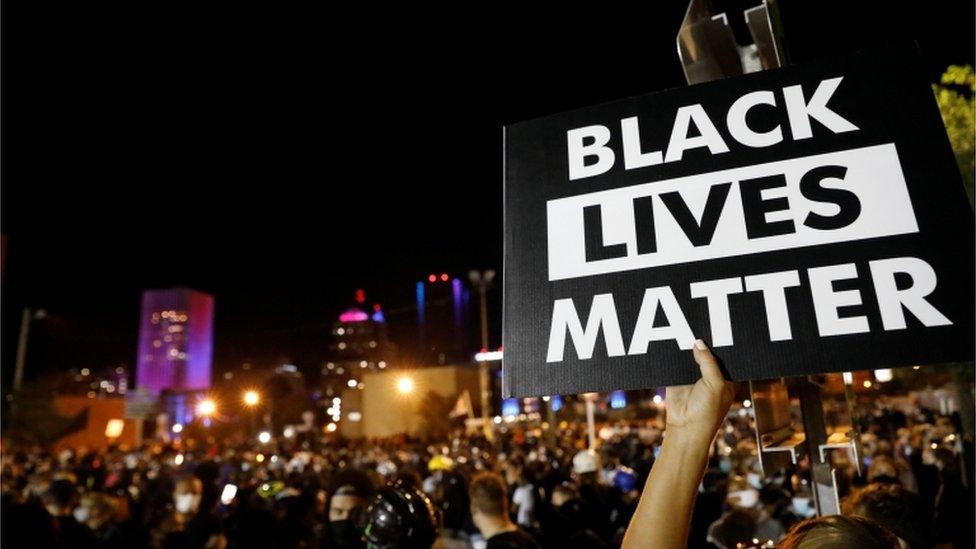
<point>708,365</point>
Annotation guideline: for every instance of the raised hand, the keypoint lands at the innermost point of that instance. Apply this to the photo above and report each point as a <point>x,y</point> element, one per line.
<point>698,410</point>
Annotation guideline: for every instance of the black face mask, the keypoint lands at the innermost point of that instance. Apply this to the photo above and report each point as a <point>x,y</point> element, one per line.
<point>345,533</point>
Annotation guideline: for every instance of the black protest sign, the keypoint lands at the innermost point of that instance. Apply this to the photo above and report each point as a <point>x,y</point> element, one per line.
<point>800,220</point>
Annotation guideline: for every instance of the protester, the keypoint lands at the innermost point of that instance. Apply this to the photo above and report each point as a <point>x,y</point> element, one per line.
<point>186,524</point>
<point>663,516</point>
<point>839,532</point>
<point>346,503</point>
<point>60,501</point>
<point>489,509</point>
<point>401,516</point>
<point>314,491</point>
<point>893,507</point>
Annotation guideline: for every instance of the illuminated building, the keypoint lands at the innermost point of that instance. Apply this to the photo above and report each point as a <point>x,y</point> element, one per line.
<point>175,340</point>
<point>359,343</point>
<point>443,322</point>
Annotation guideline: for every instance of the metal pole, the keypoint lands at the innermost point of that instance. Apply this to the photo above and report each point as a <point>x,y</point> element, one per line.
<point>821,471</point>
<point>483,374</point>
<point>25,321</point>
<point>483,291</point>
<point>590,421</point>
<point>708,51</point>
<point>551,431</point>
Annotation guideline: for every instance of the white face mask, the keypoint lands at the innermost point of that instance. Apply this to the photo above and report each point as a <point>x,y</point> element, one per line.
<point>754,480</point>
<point>81,514</point>
<point>187,503</point>
<point>802,507</point>
<point>744,498</point>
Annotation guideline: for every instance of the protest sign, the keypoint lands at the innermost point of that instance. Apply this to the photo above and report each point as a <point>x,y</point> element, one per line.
<point>800,220</point>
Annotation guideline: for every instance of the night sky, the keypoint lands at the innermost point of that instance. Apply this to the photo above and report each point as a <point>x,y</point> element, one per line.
<point>282,160</point>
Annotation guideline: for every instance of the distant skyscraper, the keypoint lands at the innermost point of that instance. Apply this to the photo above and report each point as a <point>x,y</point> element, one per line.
<point>175,340</point>
<point>442,319</point>
<point>359,342</point>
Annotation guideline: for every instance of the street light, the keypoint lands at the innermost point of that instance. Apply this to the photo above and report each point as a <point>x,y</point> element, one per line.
<point>251,398</point>
<point>405,385</point>
<point>207,407</point>
<point>482,281</point>
<point>25,322</point>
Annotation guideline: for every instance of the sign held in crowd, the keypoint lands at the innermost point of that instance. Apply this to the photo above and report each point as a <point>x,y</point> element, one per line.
<point>800,220</point>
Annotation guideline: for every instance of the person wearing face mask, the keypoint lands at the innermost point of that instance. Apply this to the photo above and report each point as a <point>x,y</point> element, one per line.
<point>746,519</point>
<point>563,522</point>
<point>345,505</point>
<point>188,525</point>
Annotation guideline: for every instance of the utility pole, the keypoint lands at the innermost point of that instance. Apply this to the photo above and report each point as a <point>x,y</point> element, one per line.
<point>590,400</point>
<point>25,321</point>
<point>482,281</point>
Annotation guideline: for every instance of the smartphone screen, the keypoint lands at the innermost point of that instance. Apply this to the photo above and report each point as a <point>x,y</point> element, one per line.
<point>228,494</point>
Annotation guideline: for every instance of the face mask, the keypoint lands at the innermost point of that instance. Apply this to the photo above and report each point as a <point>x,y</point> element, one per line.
<point>724,465</point>
<point>754,480</point>
<point>345,534</point>
<point>802,507</point>
<point>744,498</point>
<point>187,503</point>
<point>81,514</point>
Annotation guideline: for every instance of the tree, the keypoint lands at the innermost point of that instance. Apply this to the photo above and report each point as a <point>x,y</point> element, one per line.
<point>435,414</point>
<point>956,96</point>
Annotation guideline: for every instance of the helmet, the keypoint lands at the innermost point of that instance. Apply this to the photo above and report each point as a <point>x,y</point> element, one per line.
<point>440,462</point>
<point>401,516</point>
<point>270,489</point>
<point>586,461</point>
<point>624,479</point>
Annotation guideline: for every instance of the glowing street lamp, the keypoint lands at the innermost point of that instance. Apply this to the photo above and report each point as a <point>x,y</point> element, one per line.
<point>251,398</point>
<point>404,385</point>
<point>207,407</point>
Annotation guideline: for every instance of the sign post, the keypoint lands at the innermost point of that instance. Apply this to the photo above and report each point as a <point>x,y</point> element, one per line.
<point>708,52</point>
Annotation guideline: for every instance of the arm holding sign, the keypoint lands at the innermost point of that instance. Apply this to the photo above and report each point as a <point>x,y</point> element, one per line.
<point>694,413</point>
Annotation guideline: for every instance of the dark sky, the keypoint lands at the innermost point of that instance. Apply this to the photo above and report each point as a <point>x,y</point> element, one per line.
<point>280,160</point>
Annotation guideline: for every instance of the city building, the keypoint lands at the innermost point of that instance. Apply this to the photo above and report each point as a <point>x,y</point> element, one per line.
<point>175,341</point>
<point>443,321</point>
<point>420,401</point>
<point>359,342</point>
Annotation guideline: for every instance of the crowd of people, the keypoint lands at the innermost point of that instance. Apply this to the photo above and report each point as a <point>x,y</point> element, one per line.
<point>518,490</point>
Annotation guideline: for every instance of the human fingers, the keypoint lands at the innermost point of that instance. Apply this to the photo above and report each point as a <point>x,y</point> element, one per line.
<point>708,365</point>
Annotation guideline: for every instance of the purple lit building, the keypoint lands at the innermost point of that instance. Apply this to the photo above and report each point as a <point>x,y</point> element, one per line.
<point>359,343</point>
<point>175,340</point>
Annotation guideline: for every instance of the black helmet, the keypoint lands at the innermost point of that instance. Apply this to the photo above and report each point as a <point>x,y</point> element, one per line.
<point>400,516</point>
